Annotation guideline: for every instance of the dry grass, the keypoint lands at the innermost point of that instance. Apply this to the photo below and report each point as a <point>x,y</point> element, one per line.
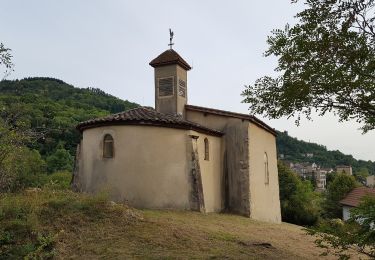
<point>82,227</point>
<point>187,235</point>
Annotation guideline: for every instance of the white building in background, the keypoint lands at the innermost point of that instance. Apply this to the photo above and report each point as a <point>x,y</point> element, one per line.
<point>370,181</point>
<point>312,171</point>
<point>344,169</point>
<point>353,199</point>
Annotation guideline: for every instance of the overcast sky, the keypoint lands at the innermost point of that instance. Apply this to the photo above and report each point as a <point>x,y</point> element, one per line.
<point>108,45</point>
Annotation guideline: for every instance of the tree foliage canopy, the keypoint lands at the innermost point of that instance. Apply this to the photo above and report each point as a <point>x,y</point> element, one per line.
<point>327,63</point>
<point>48,110</point>
<point>357,233</point>
<point>6,59</point>
<point>341,185</point>
<point>299,204</point>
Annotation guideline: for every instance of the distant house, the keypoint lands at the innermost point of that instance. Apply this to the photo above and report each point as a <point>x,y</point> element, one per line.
<point>353,199</point>
<point>321,180</point>
<point>307,170</point>
<point>309,155</point>
<point>344,169</point>
<point>370,181</point>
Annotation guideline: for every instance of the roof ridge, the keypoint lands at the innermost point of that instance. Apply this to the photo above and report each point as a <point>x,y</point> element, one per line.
<point>148,116</point>
<point>353,198</point>
<point>251,118</point>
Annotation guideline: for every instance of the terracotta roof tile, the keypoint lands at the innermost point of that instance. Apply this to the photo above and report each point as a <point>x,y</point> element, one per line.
<point>354,197</point>
<point>146,116</point>
<point>251,118</point>
<point>169,57</point>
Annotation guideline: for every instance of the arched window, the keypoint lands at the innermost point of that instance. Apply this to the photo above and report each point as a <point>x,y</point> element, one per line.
<point>206,150</point>
<point>266,171</point>
<point>108,146</point>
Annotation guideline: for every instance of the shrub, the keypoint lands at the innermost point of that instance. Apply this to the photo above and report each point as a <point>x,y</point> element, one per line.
<point>22,168</point>
<point>31,222</point>
<point>58,180</point>
<point>357,233</point>
<point>60,160</point>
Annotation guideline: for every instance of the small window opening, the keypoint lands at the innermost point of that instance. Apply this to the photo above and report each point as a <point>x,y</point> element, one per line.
<point>108,146</point>
<point>181,88</point>
<point>166,86</point>
<point>266,171</point>
<point>206,150</point>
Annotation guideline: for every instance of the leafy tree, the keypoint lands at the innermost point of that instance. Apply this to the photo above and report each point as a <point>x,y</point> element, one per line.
<point>20,167</point>
<point>326,61</point>
<point>330,177</point>
<point>6,59</point>
<point>10,142</point>
<point>341,185</point>
<point>60,160</point>
<point>29,169</point>
<point>299,204</point>
<point>361,175</point>
<point>357,233</point>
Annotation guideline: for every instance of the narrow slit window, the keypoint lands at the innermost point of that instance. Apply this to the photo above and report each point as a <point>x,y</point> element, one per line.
<point>266,171</point>
<point>206,149</point>
<point>108,146</point>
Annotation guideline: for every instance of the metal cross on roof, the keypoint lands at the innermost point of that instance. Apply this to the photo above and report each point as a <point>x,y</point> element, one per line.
<point>171,33</point>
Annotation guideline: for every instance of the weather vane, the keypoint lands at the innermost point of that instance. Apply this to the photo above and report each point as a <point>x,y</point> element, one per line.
<point>171,33</point>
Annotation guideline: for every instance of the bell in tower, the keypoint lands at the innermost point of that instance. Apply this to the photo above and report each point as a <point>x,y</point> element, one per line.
<point>170,81</point>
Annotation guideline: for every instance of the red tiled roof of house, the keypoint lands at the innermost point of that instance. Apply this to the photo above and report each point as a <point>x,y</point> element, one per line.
<point>169,57</point>
<point>354,197</point>
<point>147,116</point>
<point>250,118</point>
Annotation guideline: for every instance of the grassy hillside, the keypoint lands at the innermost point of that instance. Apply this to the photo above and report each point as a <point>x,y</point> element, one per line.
<point>294,150</point>
<point>59,223</point>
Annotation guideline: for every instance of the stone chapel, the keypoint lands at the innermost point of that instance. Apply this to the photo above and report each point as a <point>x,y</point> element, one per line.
<point>181,156</point>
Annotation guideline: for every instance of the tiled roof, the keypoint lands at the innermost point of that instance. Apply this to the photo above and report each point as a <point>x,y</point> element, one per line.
<point>250,118</point>
<point>169,57</point>
<point>146,116</point>
<point>354,197</point>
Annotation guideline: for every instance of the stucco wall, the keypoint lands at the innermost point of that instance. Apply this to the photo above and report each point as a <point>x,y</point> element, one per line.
<point>235,158</point>
<point>264,197</point>
<point>211,173</point>
<point>174,103</point>
<point>370,181</point>
<point>149,168</point>
<point>217,122</point>
<point>181,101</point>
<point>346,212</point>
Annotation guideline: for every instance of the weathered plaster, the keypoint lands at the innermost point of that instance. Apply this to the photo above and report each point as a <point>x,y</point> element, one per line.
<point>264,197</point>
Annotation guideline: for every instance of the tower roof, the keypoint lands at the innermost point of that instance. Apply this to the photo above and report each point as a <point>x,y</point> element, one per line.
<point>169,57</point>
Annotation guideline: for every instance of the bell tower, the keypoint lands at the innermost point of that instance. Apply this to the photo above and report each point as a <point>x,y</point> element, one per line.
<point>170,72</point>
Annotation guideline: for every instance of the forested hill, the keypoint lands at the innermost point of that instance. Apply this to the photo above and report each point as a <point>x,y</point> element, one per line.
<point>295,150</point>
<point>51,109</point>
